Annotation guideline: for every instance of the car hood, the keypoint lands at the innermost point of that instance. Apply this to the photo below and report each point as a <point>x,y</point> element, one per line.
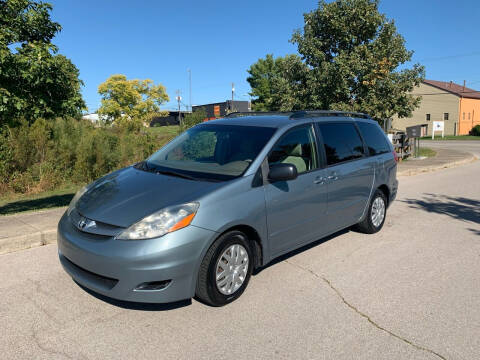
<point>128,195</point>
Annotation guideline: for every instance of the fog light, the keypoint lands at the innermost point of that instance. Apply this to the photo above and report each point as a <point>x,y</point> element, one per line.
<point>153,285</point>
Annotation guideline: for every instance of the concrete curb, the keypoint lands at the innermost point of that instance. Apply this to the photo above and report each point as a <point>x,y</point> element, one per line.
<point>27,241</point>
<point>409,172</point>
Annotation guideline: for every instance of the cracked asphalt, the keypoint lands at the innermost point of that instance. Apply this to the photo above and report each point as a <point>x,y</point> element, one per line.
<point>411,291</point>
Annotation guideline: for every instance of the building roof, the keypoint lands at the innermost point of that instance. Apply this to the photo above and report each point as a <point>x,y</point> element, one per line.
<point>221,102</point>
<point>455,89</point>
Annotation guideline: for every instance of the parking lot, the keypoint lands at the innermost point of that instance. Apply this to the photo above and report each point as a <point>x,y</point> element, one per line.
<point>411,291</point>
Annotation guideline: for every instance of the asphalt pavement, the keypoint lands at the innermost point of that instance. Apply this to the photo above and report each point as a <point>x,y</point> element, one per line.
<point>411,291</point>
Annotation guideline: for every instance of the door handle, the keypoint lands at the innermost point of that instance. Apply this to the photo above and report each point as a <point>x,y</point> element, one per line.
<point>332,177</point>
<point>319,180</point>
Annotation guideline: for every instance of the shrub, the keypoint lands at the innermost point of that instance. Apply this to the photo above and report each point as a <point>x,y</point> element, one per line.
<point>193,119</point>
<point>475,130</point>
<point>47,154</point>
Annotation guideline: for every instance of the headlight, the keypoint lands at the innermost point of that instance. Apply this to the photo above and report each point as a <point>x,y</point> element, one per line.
<point>161,222</point>
<point>77,196</point>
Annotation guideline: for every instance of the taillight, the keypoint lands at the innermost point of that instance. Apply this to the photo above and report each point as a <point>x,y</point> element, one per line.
<point>395,156</point>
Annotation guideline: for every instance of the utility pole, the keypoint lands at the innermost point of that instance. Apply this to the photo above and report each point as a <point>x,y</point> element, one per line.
<point>190,87</point>
<point>233,91</point>
<point>179,99</point>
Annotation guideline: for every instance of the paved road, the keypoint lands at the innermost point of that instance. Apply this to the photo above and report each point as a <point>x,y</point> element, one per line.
<point>410,292</point>
<point>472,146</point>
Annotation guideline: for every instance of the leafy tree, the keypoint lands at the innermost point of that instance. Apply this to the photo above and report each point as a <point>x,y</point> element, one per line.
<point>131,100</point>
<point>277,83</point>
<point>192,119</point>
<point>35,82</point>
<point>352,54</point>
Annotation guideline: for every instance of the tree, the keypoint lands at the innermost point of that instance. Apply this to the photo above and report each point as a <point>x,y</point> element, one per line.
<point>352,54</point>
<point>192,119</point>
<point>35,81</point>
<point>131,100</point>
<point>277,83</point>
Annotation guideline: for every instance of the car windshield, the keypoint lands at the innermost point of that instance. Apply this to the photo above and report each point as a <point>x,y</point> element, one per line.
<point>212,152</point>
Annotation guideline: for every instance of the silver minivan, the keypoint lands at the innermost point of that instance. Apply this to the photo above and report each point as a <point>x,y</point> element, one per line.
<point>224,198</point>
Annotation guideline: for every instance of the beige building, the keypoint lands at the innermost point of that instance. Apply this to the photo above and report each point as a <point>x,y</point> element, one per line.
<point>456,105</point>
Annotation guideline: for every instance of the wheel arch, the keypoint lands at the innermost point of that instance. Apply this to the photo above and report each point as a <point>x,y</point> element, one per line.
<point>253,237</point>
<point>386,191</point>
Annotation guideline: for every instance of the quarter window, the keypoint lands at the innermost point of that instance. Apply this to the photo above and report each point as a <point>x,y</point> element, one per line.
<point>341,142</point>
<point>375,138</point>
<point>296,147</point>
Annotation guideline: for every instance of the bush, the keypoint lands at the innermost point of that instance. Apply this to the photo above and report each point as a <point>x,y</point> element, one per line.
<point>475,130</point>
<point>193,119</point>
<point>47,154</point>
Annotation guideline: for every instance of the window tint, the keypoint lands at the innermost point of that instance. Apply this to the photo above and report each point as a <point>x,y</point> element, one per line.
<point>296,147</point>
<point>374,137</point>
<point>341,142</point>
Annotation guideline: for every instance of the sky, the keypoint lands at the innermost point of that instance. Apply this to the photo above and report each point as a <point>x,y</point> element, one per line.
<point>219,40</point>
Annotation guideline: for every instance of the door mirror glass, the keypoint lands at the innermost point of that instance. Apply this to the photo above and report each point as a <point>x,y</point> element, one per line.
<point>282,172</point>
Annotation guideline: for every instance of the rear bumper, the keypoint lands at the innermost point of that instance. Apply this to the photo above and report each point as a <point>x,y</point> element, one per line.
<point>393,192</point>
<point>116,267</point>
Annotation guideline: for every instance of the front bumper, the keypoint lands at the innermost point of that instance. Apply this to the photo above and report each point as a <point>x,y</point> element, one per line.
<point>116,267</point>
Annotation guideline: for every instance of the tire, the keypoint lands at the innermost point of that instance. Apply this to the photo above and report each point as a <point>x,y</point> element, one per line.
<point>370,224</point>
<point>215,262</point>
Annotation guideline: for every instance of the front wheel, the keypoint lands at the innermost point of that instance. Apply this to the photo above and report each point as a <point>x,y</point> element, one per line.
<point>225,269</point>
<point>375,218</point>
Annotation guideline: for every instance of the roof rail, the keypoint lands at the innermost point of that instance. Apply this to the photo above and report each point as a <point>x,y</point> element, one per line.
<point>299,113</point>
<point>325,113</point>
<point>257,113</point>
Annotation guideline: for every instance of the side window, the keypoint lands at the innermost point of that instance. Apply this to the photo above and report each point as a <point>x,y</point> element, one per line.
<point>375,138</point>
<point>296,147</point>
<point>341,141</point>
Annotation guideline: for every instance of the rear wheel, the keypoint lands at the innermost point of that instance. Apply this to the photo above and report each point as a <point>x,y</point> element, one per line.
<point>225,269</point>
<point>375,218</point>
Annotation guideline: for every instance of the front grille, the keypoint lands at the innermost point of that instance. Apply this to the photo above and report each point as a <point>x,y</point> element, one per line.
<point>86,225</point>
<point>100,281</point>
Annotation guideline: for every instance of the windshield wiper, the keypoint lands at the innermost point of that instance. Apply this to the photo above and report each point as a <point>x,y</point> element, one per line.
<point>144,166</point>
<point>173,173</point>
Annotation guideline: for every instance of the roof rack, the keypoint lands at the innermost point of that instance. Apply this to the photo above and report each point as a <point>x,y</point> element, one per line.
<point>257,113</point>
<point>326,113</point>
<point>299,114</point>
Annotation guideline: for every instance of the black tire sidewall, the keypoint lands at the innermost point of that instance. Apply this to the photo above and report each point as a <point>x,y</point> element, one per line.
<point>217,298</point>
<point>374,228</point>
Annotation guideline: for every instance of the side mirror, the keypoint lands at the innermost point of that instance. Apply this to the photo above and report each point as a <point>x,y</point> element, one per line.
<point>282,172</point>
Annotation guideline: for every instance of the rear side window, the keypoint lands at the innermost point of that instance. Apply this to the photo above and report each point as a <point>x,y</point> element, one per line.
<point>375,138</point>
<point>341,141</point>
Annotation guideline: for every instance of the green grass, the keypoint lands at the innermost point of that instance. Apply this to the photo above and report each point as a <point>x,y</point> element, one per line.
<point>427,152</point>
<point>15,203</point>
<point>171,130</point>
<point>452,137</point>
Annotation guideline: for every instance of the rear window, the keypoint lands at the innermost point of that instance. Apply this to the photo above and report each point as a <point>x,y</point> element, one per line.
<point>341,141</point>
<point>375,138</point>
